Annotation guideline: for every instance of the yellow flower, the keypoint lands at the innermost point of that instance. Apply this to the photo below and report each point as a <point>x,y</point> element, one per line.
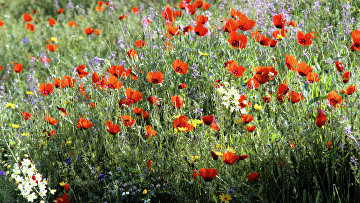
<point>218,146</point>
<point>81,37</point>
<point>144,192</point>
<point>54,39</point>
<point>257,107</point>
<point>203,54</point>
<point>67,102</point>
<point>68,143</point>
<point>29,93</point>
<point>10,105</point>
<point>195,122</point>
<point>218,153</point>
<point>194,158</point>
<point>15,126</point>
<point>225,198</point>
<point>230,149</point>
<point>62,183</point>
<point>177,116</point>
<point>24,134</point>
<point>181,129</point>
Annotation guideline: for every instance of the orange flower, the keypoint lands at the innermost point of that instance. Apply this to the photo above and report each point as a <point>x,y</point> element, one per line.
<point>112,128</point>
<point>349,90</point>
<point>46,89</point>
<point>133,96</point>
<point>312,77</point>
<point>30,27</point>
<point>201,19</point>
<point>180,66</point>
<point>181,122</point>
<point>279,21</point>
<point>208,174</point>
<point>279,35</point>
<point>206,6</point>
<point>52,121</point>
<point>303,69</point>
<point>66,81</point>
<point>26,115</point>
<point>155,78</point>
<point>247,118</point>
<point>132,54</point>
<point>188,28</point>
<point>294,97</point>
<point>321,118</point>
<point>153,100</point>
<point>88,30</point>
<point>291,62</point>
<point>334,99</point>
<point>150,131</point>
<point>355,36</point>
<point>346,76</point>
<point>2,23</point>
<point>80,71</point>
<point>135,10</point>
<point>128,120</point>
<point>253,82</point>
<point>243,101</point>
<point>122,17</point>
<point>230,158</point>
<point>236,70</point>
<point>52,47</point>
<point>244,23</point>
<point>140,43</point>
<point>92,104</point>
<point>18,68</point>
<point>339,66</point>
<point>73,24</point>
<point>52,22</point>
<point>182,86</point>
<point>237,41</point>
<point>169,15</point>
<point>250,128</point>
<point>60,11</point>
<point>292,23</point>
<point>84,124</point>
<point>27,17</point>
<point>200,30</point>
<point>282,89</point>
<point>99,8</point>
<point>113,83</point>
<point>304,40</point>
<point>177,101</point>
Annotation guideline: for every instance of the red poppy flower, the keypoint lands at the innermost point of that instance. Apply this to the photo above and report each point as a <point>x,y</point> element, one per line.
<point>128,120</point>
<point>27,17</point>
<point>217,84</point>
<point>153,100</point>
<point>182,86</point>
<point>201,19</point>
<point>339,66</point>
<point>264,74</point>
<point>303,69</point>
<point>83,91</point>
<point>123,104</point>
<point>206,6</point>
<point>214,155</point>
<point>46,89</point>
<point>135,10</point>
<point>242,101</point>
<point>186,29</point>
<point>112,128</point>
<point>99,8</point>
<point>52,121</point>
<point>172,31</point>
<point>198,3</point>
<point>195,174</point>
<point>291,62</point>
<point>63,111</point>
<point>294,97</point>
<point>279,35</point>
<point>30,27</point>
<point>230,158</point>
<point>247,118</point>
<point>18,68</point>
<point>264,41</point>
<point>84,124</point>
<point>181,122</point>
<point>292,23</point>
<point>169,15</point>
<point>208,174</point>
<point>49,134</point>
<point>282,89</point>
<point>355,36</point>
<point>200,30</point>
<point>230,26</point>
<point>243,157</point>
<point>92,104</point>
<point>80,71</point>
<point>253,82</point>
<point>312,77</point>
<point>2,23</point>
<point>244,23</point>
<point>349,90</point>
<point>346,76</point>
<point>273,43</point>
<point>132,54</point>
<point>304,40</point>
<point>267,98</point>
<point>177,101</point>
<point>254,176</point>
<point>237,41</point>
<point>63,199</point>
<point>72,24</point>
<point>214,126</point>
<point>180,66</point>
<point>133,96</point>
<point>139,43</point>
<point>208,120</point>
<point>26,115</point>
<point>66,187</point>
<point>236,70</point>
<point>60,11</point>
<point>191,9</point>
<point>334,99</point>
<point>122,17</point>
<point>113,83</point>
<point>88,30</point>
<point>150,131</point>
<point>52,47</point>
<point>52,22</point>
<point>155,78</point>
<point>66,81</point>
<point>279,21</point>
<point>321,118</point>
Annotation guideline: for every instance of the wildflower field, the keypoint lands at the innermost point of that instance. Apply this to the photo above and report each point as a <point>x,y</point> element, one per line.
<point>179,101</point>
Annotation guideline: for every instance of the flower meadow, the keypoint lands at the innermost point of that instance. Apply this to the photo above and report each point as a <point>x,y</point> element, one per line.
<point>179,101</point>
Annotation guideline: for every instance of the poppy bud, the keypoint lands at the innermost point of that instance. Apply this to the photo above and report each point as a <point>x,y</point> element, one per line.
<point>321,118</point>
<point>254,176</point>
<point>339,66</point>
<point>214,155</point>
